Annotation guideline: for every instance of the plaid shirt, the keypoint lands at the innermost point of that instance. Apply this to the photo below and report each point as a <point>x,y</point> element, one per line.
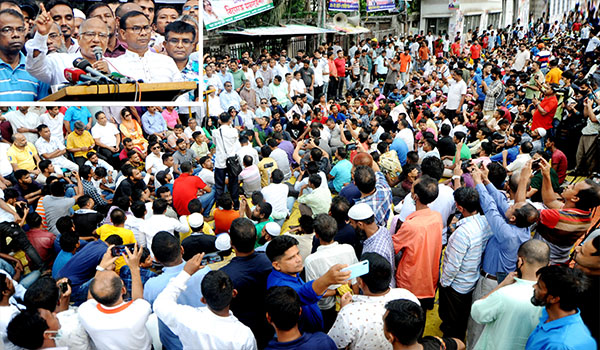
<point>494,90</point>
<point>125,275</point>
<point>90,190</point>
<point>380,201</point>
<point>381,243</point>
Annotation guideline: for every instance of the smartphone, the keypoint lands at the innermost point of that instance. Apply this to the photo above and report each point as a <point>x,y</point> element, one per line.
<point>535,165</point>
<point>120,249</point>
<point>64,286</point>
<point>211,258</point>
<point>359,269</point>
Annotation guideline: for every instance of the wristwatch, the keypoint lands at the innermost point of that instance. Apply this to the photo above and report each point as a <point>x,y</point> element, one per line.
<point>100,268</point>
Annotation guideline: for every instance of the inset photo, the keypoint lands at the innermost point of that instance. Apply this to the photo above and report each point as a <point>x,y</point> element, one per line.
<point>67,50</point>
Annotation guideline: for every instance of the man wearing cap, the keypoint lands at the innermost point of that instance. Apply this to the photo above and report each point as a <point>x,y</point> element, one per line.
<point>80,142</point>
<point>168,251</point>
<point>545,110</point>
<point>198,242</point>
<point>376,239</point>
<point>270,230</point>
<point>249,271</point>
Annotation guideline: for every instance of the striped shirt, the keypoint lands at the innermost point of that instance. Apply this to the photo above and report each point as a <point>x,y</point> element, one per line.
<point>561,228</point>
<point>18,85</point>
<point>380,201</point>
<point>464,253</point>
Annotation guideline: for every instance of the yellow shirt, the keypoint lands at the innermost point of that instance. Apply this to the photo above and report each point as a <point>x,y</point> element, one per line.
<point>207,230</point>
<point>79,141</point>
<point>266,167</point>
<point>106,230</point>
<point>23,158</point>
<point>553,76</point>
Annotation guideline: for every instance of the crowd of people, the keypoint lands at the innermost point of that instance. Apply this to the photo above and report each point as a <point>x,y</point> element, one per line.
<point>461,177</point>
<point>44,43</point>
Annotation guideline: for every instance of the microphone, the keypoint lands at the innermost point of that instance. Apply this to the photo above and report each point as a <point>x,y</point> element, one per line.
<point>121,79</point>
<point>98,53</point>
<point>75,75</point>
<point>85,65</point>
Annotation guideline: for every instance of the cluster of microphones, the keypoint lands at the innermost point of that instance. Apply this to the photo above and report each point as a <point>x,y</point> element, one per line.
<point>83,72</point>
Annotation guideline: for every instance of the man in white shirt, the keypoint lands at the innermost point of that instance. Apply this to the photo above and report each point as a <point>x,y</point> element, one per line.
<point>138,62</point>
<point>281,158</point>
<point>359,324</point>
<point>226,145</point>
<point>49,68</point>
<point>456,93</point>
<point>107,138</point>
<point>247,150</point>
<point>160,222</point>
<point>328,254</point>
<point>522,158</point>
<point>276,194</point>
<point>52,149</point>
<point>211,327</point>
<point>521,59</point>
<point>109,320</point>
<point>54,119</point>
<point>24,122</point>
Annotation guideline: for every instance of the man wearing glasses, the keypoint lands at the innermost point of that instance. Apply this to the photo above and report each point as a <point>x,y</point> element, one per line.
<point>139,62</point>
<point>190,8</point>
<point>179,44</point>
<point>49,68</point>
<point>16,84</point>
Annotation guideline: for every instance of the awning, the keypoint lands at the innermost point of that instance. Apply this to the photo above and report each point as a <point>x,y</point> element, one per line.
<point>290,29</point>
<point>348,29</point>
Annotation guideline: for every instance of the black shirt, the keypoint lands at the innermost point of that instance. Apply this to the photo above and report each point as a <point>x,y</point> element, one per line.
<point>127,187</point>
<point>296,129</point>
<point>87,222</point>
<point>446,146</point>
<point>198,243</point>
<point>249,276</point>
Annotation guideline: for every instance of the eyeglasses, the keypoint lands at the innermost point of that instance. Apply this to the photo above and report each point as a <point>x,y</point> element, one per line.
<point>156,147</point>
<point>187,8</point>
<point>53,35</point>
<point>92,35</point>
<point>263,103</point>
<point>138,29</point>
<point>185,42</point>
<point>11,30</point>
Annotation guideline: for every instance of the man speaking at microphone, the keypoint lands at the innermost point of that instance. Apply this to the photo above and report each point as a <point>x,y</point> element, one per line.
<point>49,68</point>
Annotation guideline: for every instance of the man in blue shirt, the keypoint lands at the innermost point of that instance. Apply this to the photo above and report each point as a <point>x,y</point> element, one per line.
<point>287,264</point>
<point>560,289</point>
<point>341,173</point>
<point>16,84</point>
<point>481,77</point>
<point>153,123</point>
<point>510,228</point>
<point>167,250</point>
<point>396,144</point>
<point>249,271</point>
<point>511,148</point>
<point>283,312</point>
<point>74,114</point>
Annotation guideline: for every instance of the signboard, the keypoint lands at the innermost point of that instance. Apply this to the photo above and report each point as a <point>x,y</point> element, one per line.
<point>218,13</point>
<point>453,4</point>
<point>343,5</point>
<point>380,5</point>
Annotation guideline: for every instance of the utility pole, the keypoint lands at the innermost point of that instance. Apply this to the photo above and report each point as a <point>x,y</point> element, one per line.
<point>322,19</point>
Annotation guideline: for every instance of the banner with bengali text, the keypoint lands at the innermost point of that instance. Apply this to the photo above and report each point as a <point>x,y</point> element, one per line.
<point>218,13</point>
<point>380,5</point>
<point>343,5</point>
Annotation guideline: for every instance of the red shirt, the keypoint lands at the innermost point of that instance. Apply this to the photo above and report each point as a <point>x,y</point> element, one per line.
<point>475,51</point>
<point>560,160</point>
<point>549,104</point>
<point>455,48</point>
<point>43,242</point>
<point>340,66</point>
<point>185,188</point>
<point>485,42</point>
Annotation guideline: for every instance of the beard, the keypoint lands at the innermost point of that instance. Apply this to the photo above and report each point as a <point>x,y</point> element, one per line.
<point>537,302</point>
<point>361,234</point>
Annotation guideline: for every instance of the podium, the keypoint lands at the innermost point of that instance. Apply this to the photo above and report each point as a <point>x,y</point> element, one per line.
<point>159,92</point>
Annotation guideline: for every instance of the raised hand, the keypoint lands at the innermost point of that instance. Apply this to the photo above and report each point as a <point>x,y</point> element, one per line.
<point>43,22</point>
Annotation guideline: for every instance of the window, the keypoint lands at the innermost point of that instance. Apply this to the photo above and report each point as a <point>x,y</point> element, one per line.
<point>494,20</point>
<point>471,22</point>
<point>437,25</point>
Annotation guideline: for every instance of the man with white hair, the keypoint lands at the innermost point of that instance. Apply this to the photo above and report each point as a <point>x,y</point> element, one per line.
<point>49,68</point>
